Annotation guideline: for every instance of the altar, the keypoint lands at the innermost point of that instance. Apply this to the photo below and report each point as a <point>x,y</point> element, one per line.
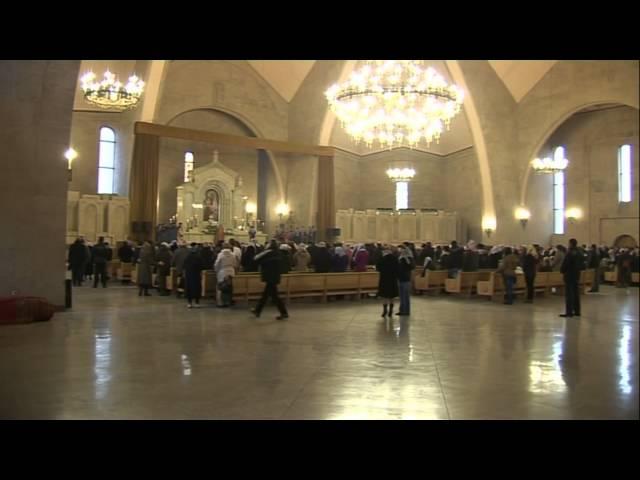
<point>213,201</point>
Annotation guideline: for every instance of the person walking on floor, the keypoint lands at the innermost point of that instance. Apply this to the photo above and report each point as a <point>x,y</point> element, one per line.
<point>406,264</point>
<point>269,263</point>
<point>388,267</point>
<point>572,264</point>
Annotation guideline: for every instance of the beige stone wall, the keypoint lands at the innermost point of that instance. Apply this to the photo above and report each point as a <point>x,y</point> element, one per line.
<point>36,100</point>
<point>463,192</point>
<point>591,142</point>
<point>85,136</point>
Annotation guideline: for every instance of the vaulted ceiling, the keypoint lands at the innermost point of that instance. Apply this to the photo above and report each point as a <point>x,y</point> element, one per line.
<point>286,77</point>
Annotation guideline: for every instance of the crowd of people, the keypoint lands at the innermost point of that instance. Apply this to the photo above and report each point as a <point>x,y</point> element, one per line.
<point>395,264</point>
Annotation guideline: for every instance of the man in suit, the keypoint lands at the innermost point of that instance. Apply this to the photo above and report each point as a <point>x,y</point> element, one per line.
<point>572,264</point>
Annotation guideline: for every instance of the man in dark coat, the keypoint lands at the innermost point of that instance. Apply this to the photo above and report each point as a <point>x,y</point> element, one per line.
<point>77,261</point>
<point>269,262</point>
<point>456,259</point>
<point>193,267</point>
<point>388,281</point>
<point>100,258</point>
<point>125,253</point>
<point>571,266</point>
<point>321,259</point>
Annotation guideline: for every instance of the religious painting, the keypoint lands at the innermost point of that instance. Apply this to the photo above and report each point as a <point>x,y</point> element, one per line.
<point>210,206</point>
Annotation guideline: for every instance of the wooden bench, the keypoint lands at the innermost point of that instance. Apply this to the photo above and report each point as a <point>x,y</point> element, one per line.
<point>466,282</point>
<point>249,286</point>
<point>124,271</point>
<point>493,287</point>
<point>112,268</point>
<point>433,280</point>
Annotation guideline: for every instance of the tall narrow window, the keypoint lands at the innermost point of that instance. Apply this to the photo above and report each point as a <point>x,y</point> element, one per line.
<point>558,195</point>
<point>402,195</point>
<point>107,160</point>
<point>188,166</point>
<point>624,173</point>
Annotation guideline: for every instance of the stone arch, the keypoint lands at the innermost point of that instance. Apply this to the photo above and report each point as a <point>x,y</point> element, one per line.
<point>550,130</point>
<point>625,241</point>
<point>249,125</point>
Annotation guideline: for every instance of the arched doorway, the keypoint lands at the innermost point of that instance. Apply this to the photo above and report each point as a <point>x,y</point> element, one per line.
<point>625,241</point>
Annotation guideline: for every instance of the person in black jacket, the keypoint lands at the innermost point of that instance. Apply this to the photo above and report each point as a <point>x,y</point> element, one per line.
<point>193,266</point>
<point>571,266</point>
<point>321,258</point>
<point>530,268</point>
<point>388,281</point>
<point>270,265</point>
<point>406,264</point>
<point>456,259</point>
<point>100,258</point>
<point>77,261</point>
<point>125,253</point>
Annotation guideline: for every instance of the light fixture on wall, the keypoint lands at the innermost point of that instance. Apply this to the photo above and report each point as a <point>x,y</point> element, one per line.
<point>110,93</point>
<point>489,225</point>
<point>70,155</point>
<point>523,215</point>
<point>573,214</point>
<point>282,210</point>
<point>396,102</point>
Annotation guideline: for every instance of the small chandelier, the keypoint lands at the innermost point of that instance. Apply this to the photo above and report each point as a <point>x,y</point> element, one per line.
<point>401,174</point>
<point>395,102</point>
<point>549,165</point>
<point>111,93</point>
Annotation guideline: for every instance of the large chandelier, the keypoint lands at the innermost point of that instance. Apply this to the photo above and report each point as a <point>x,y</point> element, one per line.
<point>401,174</point>
<point>550,165</point>
<point>111,93</point>
<point>395,102</point>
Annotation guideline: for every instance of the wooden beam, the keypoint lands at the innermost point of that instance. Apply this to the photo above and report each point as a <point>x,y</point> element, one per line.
<point>233,140</point>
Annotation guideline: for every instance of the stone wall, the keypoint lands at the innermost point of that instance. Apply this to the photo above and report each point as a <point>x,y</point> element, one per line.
<point>591,142</point>
<point>36,100</point>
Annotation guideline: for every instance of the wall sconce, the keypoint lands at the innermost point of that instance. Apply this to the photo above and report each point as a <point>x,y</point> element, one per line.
<point>251,208</point>
<point>70,155</point>
<point>573,214</point>
<point>282,209</point>
<point>489,225</point>
<point>523,215</point>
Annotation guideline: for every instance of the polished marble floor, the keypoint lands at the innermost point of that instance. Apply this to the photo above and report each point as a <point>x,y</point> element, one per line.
<point>120,356</point>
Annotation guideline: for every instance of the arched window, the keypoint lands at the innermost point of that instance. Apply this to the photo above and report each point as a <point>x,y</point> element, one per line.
<point>558,195</point>
<point>402,195</point>
<point>624,173</point>
<point>188,166</point>
<point>107,160</point>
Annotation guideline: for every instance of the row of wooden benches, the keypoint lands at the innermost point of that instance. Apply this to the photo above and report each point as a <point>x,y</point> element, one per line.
<point>487,283</point>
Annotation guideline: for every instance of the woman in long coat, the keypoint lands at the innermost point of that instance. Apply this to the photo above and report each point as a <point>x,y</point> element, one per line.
<point>388,282</point>
<point>146,261</point>
<point>193,266</point>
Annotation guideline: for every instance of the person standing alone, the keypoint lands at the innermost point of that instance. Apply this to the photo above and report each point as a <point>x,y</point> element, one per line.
<point>572,264</point>
<point>100,256</point>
